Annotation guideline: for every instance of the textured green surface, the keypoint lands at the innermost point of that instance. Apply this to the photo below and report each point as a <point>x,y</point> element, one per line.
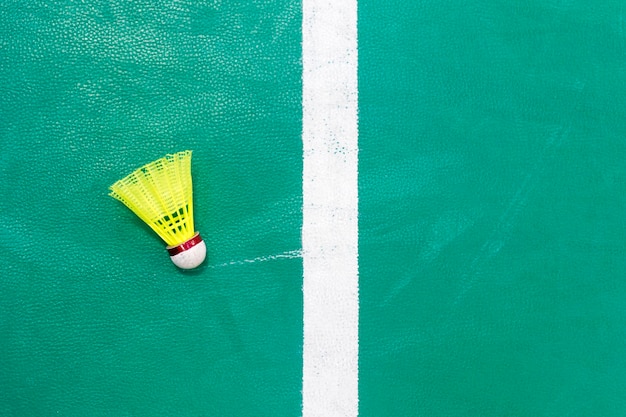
<point>94,318</point>
<point>493,196</point>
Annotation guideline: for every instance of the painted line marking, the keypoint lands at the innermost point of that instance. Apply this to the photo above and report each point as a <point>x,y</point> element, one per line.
<point>330,209</point>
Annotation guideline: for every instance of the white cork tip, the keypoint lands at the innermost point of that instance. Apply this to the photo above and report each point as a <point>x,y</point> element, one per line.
<point>189,254</point>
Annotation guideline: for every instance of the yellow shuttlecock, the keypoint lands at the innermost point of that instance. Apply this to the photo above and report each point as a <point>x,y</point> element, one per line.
<point>161,194</point>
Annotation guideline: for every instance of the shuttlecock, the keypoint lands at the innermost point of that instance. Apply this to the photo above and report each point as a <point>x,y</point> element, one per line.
<point>160,193</point>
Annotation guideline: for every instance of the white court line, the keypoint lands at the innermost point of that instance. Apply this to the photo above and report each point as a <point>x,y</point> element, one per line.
<point>330,209</point>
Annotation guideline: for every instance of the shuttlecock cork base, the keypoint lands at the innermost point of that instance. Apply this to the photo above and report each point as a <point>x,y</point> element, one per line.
<point>189,254</point>
<point>160,193</point>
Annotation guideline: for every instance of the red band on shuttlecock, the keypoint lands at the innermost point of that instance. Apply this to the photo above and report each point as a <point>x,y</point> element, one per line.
<point>175,250</point>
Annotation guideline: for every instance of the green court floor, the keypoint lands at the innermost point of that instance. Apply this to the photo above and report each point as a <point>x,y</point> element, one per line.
<point>492,196</point>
